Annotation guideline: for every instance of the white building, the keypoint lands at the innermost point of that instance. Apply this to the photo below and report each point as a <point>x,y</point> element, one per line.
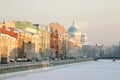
<point>74,32</point>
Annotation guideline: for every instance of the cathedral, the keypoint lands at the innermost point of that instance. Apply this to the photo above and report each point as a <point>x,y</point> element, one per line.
<point>76,38</point>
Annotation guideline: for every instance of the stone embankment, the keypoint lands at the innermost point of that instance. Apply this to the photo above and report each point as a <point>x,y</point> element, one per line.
<point>21,66</point>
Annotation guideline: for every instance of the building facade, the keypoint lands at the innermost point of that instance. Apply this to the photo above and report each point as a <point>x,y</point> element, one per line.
<point>58,34</point>
<point>29,44</point>
<point>44,38</point>
<point>74,35</point>
<point>8,48</point>
<point>8,41</point>
<point>76,38</point>
<point>84,39</point>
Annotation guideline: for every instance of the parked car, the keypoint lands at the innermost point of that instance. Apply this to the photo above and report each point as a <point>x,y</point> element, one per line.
<point>38,59</point>
<point>12,60</point>
<point>24,60</point>
<point>19,60</point>
<point>29,60</point>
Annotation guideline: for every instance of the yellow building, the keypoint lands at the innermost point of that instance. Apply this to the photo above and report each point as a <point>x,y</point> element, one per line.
<point>29,43</point>
<point>8,46</point>
<point>44,33</point>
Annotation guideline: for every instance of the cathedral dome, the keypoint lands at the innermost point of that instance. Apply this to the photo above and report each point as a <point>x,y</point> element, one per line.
<point>74,30</point>
<point>74,27</point>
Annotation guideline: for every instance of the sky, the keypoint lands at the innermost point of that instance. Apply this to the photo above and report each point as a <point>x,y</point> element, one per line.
<point>99,19</point>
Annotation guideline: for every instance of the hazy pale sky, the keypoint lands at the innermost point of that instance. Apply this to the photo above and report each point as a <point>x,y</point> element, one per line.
<point>100,19</point>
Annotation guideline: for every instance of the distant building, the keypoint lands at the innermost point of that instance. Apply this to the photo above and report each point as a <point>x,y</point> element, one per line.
<point>76,38</point>
<point>84,39</point>
<point>74,35</point>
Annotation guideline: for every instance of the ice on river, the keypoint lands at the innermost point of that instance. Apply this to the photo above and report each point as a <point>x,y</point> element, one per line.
<point>91,70</point>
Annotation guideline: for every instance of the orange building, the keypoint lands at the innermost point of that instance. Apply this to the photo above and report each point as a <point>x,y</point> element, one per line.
<point>9,31</point>
<point>54,40</point>
<point>58,34</point>
<point>60,29</point>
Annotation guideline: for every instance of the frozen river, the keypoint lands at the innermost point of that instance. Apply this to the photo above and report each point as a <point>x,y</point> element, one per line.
<point>91,70</point>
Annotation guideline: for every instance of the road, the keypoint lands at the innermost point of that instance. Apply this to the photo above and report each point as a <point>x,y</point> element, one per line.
<point>91,70</point>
